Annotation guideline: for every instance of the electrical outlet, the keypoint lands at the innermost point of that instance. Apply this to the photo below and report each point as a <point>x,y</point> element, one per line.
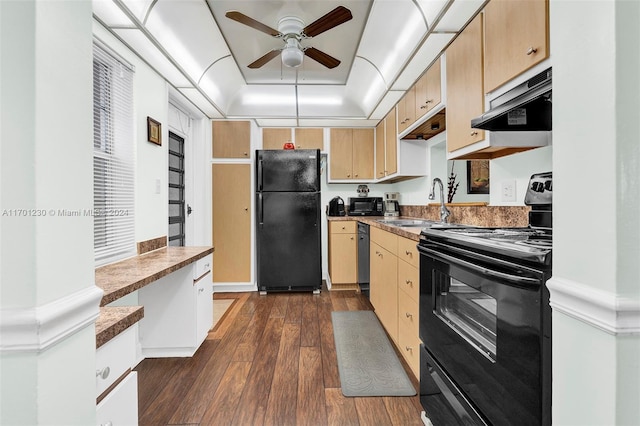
<point>508,190</point>
<point>157,186</point>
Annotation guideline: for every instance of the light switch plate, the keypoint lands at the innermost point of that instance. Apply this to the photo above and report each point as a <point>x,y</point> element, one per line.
<point>157,186</point>
<point>508,190</point>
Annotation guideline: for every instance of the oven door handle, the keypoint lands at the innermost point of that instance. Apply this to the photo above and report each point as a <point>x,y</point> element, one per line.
<point>514,279</point>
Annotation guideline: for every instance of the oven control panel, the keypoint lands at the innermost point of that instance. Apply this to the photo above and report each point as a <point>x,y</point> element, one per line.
<point>540,190</point>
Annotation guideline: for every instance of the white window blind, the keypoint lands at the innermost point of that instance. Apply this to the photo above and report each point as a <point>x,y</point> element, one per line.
<point>113,158</point>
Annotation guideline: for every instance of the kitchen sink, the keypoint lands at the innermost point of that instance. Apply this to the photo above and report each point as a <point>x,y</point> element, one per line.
<point>418,223</point>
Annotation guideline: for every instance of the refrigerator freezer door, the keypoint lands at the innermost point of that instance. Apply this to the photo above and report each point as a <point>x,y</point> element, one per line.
<point>288,241</point>
<point>288,170</point>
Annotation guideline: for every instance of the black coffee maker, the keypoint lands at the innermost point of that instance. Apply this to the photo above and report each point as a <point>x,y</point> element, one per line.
<point>336,207</point>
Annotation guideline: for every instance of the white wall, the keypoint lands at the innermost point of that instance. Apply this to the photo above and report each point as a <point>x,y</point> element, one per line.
<point>596,282</point>
<point>46,93</point>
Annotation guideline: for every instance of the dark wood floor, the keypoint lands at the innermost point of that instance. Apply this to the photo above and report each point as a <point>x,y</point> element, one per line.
<point>270,361</point>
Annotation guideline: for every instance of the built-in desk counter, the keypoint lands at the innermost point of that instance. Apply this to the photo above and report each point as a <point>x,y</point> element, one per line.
<point>121,278</point>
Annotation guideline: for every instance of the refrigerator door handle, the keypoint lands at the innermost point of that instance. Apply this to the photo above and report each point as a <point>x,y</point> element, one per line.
<point>260,174</point>
<point>260,210</point>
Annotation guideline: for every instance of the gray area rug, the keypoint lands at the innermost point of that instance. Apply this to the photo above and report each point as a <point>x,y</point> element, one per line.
<point>367,363</point>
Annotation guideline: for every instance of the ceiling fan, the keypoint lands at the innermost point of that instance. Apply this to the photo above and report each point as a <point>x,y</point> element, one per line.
<point>292,30</point>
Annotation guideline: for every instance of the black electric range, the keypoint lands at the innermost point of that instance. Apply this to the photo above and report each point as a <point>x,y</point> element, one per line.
<point>485,319</point>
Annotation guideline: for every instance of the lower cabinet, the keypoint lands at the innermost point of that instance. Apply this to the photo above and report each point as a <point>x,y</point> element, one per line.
<point>394,293</point>
<point>114,361</point>
<point>120,406</point>
<point>343,252</point>
<point>177,312</point>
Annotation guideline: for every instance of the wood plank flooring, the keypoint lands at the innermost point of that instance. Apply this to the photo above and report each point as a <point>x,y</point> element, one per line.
<point>270,361</point>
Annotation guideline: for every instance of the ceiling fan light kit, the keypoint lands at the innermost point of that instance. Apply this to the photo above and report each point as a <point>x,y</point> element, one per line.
<point>292,30</point>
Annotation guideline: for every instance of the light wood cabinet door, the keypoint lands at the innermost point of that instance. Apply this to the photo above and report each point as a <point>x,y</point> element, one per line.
<point>231,139</point>
<point>383,288</point>
<point>231,222</point>
<point>363,148</point>
<point>343,258</point>
<point>341,153</point>
<point>380,150</point>
<point>428,90</point>
<point>309,138</point>
<point>465,96</point>
<point>509,53</point>
<point>407,110</point>
<point>275,138</point>
<point>391,143</point>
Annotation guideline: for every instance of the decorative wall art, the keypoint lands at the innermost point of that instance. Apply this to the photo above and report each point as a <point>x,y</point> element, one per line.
<point>154,131</point>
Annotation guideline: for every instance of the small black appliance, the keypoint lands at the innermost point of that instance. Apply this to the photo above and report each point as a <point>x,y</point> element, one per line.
<point>336,207</point>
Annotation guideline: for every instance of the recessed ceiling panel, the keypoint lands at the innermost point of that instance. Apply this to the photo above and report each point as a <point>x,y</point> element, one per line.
<point>188,32</point>
<point>326,101</point>
<point>201,102</point>
<point>267,101</point>
<point>432,9</point>
<point>248,44</point>
<point>387,103</point>
<point>138,8</point>
<point>276,122</point>
<point>428,52</point>
<point>110,14</point>
<point>394,29</point>
<point>459,14</point>
<point>141,44</point>
<point>365,86</point>
<point>346,122</point>
<point>222,81</point>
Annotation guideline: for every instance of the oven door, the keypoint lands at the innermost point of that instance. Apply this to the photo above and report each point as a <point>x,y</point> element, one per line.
<point>481,320</point>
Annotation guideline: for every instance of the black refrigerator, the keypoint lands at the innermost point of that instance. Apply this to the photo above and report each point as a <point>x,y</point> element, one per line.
<point>288,241</point>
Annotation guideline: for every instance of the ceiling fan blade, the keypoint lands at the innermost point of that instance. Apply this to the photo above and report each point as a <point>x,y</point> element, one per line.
<point>244,19</point>
<point>264,59</point>
<point>321,57</point>
<point>337,16</point>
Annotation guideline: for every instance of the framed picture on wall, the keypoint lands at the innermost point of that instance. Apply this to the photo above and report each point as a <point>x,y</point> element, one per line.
<point>478,177</point>
<point>154,131</point>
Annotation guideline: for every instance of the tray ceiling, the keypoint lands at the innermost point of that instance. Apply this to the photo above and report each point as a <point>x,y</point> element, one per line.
<point>203,54</point>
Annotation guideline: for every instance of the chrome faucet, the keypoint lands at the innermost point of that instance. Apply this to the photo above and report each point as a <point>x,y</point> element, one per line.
<point>444,212</point>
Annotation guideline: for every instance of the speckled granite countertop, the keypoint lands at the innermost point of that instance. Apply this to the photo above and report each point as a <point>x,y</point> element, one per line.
<point>113,320</point>
<point>412,233</point>
<point>121,278</point>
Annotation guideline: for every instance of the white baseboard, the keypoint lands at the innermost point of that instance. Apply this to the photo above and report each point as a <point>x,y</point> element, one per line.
<point>37,328</point>
<point>607,311</point>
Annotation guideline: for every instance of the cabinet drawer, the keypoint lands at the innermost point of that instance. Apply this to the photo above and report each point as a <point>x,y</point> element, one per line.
<point>384,239</point>
<point>408,313</point>
<point>114,358</point>
<point>409,346</point>
<point>409,280</point>
<point>120,407</point>
<point>202,266</point>
<point>343,227</point>
<point>408,251</point>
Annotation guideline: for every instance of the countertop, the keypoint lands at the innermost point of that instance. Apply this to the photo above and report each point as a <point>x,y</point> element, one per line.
<point>121,278</point>
<point>413,233</point>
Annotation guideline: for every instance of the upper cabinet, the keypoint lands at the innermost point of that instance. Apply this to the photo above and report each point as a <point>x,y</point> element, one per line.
<point>407,110</point>
<point>516,37</point>
<point>351,154</point>
<point>465,94</point>
<point>275,138</point>
<point>309,138</point>
<point>231,139</point>
<point>428,90</point>
<point>390,144</point>
<point>303,138</point>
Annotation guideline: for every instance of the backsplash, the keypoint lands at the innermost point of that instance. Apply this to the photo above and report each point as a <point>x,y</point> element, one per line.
<point>495,216</point>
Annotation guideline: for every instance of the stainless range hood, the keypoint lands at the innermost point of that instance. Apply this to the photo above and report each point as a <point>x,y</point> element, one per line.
<point>526,107</point>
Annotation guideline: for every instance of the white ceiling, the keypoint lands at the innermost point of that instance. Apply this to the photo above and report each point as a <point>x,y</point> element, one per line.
<point>382,50</point>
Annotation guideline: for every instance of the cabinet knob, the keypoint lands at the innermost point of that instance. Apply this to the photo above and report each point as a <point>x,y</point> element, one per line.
<point>408,282</point>
<point>104,373</point>
<point>348,175</point>
<point>245,154</point>
<point>474,133</point>
<point>352,238</point>
<point>246,209</point>
<point>408,348</point>
<point>423,106</point>
<point>531,50</point>
<point>428,101</point>
<point>200,290</point>
<point>408,315</point>
<point>407,252</point>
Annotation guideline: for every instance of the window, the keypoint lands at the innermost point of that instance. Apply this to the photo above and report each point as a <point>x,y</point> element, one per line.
<point>176,190</point>
<point>113,158</point>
